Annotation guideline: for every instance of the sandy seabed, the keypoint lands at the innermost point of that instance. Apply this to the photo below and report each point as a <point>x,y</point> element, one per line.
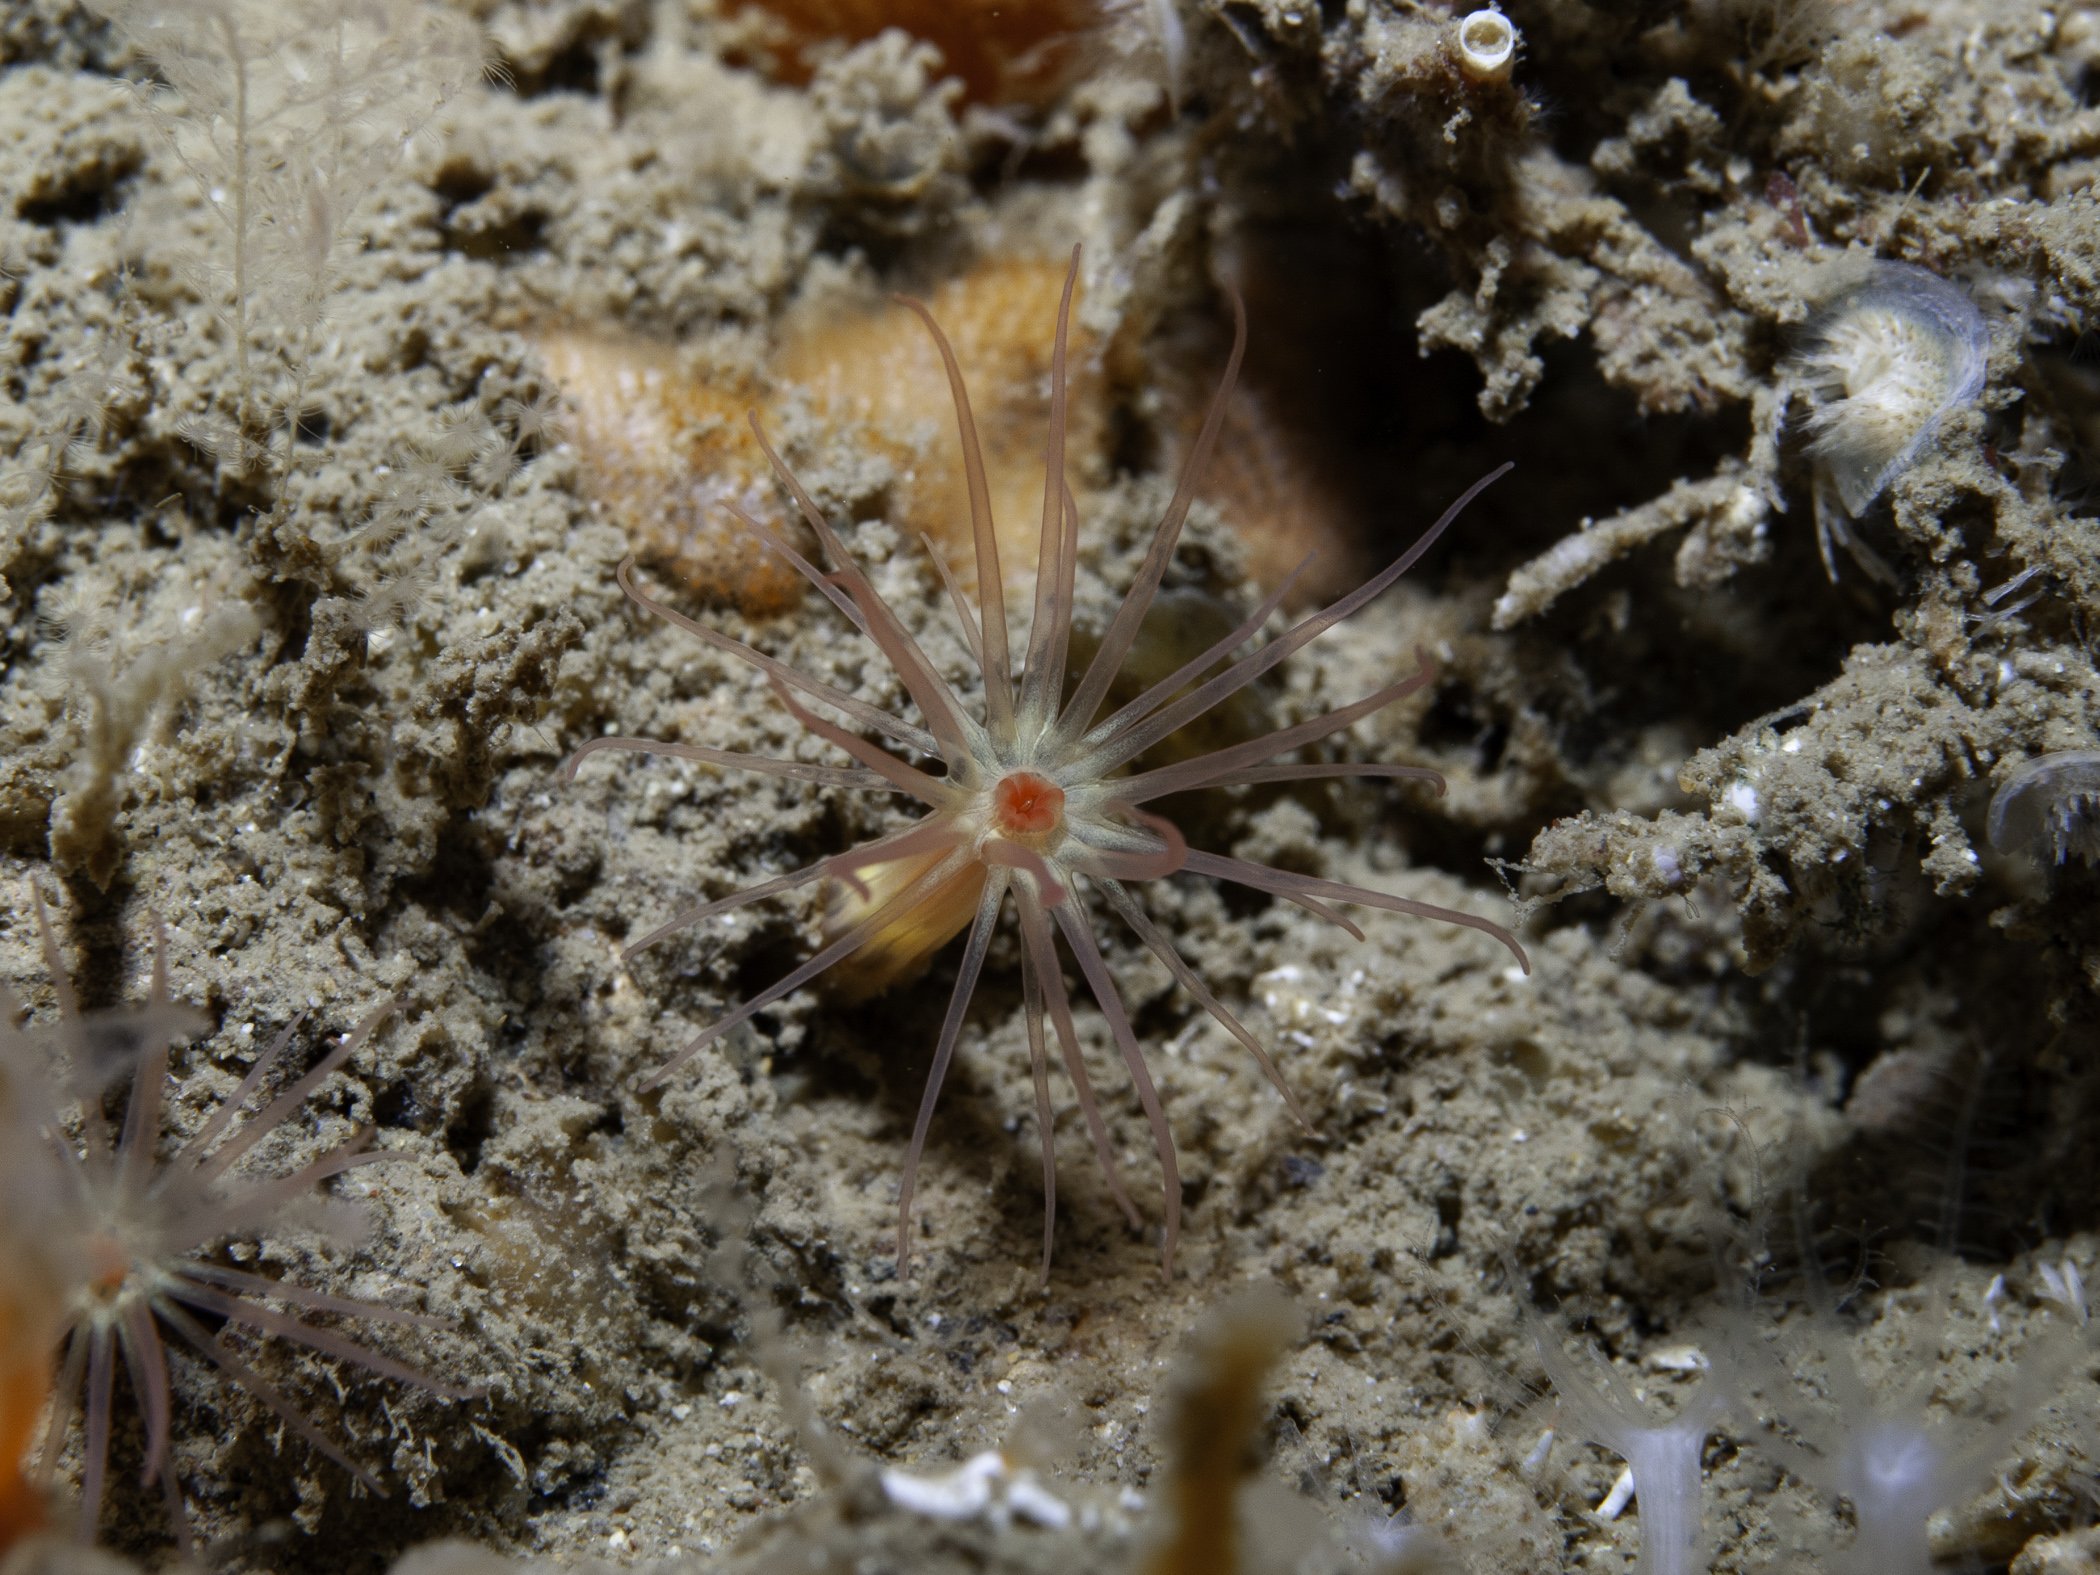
<point>328,430</point>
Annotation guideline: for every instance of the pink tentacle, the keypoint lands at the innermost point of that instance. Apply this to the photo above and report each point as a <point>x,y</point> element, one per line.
<point>94,1466</point>
<point>973,635</point>
<point>325,1341</point>
<point>147,1361</point>
<point>249,1379</point>
<point>853,939</point>
<point>1123,629</point>
<point>1045,1120</point>
<point>908,779</point>
<point>937,702</point>
<point>1035,938</point>
<point>1124,864</point>
<point>741,899</point>
<point>1043,675</point>
<point>827,584</point>
<point>1163,691</point>
<point>1316,771</point>
<point>299,1295</point>
<point>868,716</point>
<point>1079,935</point>
<point>997,662</point>
<point>292,1098</point>
<point>930,835</point>
<point>760,765</point>
<point>1300,887</point>
<point>1245,671</point>
<point>1134,915</point>
<point>1050,891</point>
<point>951,1029</point>
<point>207,1134</point>
<point>1142,737</point>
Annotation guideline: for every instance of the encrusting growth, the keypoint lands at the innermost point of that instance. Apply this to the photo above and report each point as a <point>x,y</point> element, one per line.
<point>1031,806</point>
<point>138,1226</point>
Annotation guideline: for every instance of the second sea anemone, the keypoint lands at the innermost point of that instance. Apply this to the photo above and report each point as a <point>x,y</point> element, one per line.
<point>140,1229</point>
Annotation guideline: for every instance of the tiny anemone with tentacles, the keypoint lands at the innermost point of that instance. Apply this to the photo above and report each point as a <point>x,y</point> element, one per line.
<point>138,1227</point>
<point>1032,806</point>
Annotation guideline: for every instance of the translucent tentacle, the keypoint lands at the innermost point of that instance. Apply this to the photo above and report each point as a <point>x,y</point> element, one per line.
<point>852,939</point>
<point>868,716</point>
<point>1201,771</point>
<point>937,702</point>
<point>147,1361</point>
<point>1044,675</point>
<point>973,635</point>
<point>258,1386</point>
<point>292,1098</point>
<point>1134,915</point>
<point>1079,935</point>
<point>1246,670</point>
<point>207,1134</point>
<point>1314,771</point>
<point>991,584</point>
<point>1163,691</point>
<point>761,765</point>
<point>951,1029</point>
<point>94,1465</point>
<point>1045,1120</point>
<point>326,1341</point>
<point>907,779</point>
<point>1123,629</point>
<point>1035,938</point>
<point>1299,887</point>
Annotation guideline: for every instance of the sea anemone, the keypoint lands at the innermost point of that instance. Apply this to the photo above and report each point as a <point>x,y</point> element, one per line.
<point>1891,357</point>
<point>1033,804</point>
<point>137,1227</point>
<point>2051,806</point>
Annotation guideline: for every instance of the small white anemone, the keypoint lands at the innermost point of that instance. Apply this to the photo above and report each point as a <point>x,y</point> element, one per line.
<point>2051,805</point>
<point>1891,356</point>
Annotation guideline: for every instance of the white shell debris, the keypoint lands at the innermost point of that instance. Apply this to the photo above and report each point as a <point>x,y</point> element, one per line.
<point>1679,1359</point>
<point>1487,45</point>
<point>982,1485</point>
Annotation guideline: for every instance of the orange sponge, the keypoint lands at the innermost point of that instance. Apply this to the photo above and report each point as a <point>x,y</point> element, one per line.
<point>666,453</point>
<point>1005,51</point>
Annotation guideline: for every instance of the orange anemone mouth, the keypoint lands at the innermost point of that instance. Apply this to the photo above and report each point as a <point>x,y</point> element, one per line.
<point>109,1266</point>
<point>1027,805</point>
